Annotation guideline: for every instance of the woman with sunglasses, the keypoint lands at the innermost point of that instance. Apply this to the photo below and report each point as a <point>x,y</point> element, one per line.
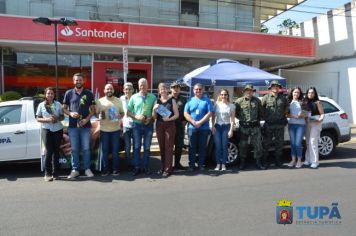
<point>223,124</point>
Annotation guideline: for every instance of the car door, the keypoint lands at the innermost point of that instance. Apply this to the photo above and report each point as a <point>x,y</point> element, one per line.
<point>13,141</point>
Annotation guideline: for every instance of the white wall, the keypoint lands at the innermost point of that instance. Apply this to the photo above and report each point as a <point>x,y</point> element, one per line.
<point>344,87</point>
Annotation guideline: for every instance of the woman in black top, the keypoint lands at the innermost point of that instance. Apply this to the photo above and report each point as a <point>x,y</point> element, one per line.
<point>312,133</point>
<point>166,112</point>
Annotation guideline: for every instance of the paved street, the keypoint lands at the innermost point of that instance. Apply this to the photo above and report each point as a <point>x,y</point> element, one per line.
<point>208,203</point>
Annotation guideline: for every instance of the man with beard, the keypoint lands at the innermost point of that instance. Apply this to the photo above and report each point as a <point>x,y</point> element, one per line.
<point>79,105</point>
<point>110,111</point>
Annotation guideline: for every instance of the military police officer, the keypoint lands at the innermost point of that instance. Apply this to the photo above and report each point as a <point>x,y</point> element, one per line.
<point>275,110</point>
<point>249,112</point>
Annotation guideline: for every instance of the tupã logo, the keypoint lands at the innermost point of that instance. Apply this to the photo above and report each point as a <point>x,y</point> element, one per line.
<point>67,31</point>
<point>284,212</point>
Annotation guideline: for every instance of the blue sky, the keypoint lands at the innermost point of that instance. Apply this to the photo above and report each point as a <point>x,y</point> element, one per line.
<point>314,6</point>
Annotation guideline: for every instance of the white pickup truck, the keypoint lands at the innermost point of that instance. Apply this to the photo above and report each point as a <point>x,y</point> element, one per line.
<point>19,130</point>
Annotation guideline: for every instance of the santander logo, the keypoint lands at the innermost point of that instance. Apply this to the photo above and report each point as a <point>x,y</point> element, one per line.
<point>67,31</point>
<point>95,32</point>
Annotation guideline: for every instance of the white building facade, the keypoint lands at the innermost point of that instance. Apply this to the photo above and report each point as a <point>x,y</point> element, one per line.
<point>333,71</point>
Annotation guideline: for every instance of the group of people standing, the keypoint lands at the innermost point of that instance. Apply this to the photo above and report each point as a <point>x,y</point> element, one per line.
<point>133,117</point>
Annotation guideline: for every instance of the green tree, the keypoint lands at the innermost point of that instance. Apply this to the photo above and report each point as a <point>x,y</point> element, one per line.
<point>264,29</point>
<point>286,25</point>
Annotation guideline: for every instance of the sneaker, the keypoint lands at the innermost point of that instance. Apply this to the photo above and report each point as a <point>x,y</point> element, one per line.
<point>223,167</point>
<point>291,164</point>
<point>105,173</point>
<point>217,167</point>
<point>306,163</point>
<point>88,173</point>
<point>55,177</point>
<point>166,174</point>
<point>115,173</point>
<point>314,166</point>
<point>48,178</point>
<point>298,165</point>
<point>73,174</point>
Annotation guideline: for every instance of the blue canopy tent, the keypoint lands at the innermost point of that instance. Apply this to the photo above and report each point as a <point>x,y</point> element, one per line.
<point>229,73</point>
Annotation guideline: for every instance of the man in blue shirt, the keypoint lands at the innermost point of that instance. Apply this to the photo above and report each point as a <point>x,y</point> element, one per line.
<point>197,112</point>
<point>79,105</point>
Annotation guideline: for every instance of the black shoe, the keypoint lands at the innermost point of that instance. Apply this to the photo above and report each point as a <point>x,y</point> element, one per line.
<point>105,173</point>
<point>191,169</point>
<point>136,172</point>
<point>147,171</point>
<point>242,164</point>
<point>266,164</point>
<point>259,165</point>
<point>178,167</point>
<point>279,164</point>
<point>201,168</point>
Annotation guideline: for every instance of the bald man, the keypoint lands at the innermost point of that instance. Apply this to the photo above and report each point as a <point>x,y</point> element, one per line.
<point>110,112</point>
<point>140,110</point>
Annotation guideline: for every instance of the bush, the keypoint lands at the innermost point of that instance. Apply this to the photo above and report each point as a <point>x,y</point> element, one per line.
<point>9,96</point>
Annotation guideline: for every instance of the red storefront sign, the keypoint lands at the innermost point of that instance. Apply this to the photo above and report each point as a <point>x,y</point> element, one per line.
<point>158,36</point>
<point>95,32</point>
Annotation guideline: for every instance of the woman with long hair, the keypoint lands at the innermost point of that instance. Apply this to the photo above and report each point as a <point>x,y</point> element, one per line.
<point>296,126</point>
<point>50,114</point>
<point>166,112</point>
<point>312,134</point>
<point>223,120</point>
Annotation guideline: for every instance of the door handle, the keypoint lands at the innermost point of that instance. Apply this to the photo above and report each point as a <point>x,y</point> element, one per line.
<point>19,132</point>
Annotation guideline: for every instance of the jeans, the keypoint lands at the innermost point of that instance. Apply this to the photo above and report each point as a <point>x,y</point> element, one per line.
<point>198,142</point>
<point>52,141</point>
<point>127,138</point>
<point>296,133</point>
<point>110,140</point>
<point>221,141</point>
<point>80,137</point>
<point>142,131</point>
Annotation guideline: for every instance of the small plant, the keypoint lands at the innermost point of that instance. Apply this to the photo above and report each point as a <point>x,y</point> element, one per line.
<point>10,96</point>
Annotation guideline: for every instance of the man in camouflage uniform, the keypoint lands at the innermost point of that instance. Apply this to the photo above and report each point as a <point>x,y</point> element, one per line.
<point>180,125</point>
<point>249,112</point>
<point>275,110</point>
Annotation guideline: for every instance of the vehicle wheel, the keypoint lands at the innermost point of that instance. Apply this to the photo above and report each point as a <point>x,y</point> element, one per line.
<point>233,156</point>
<point>326,144</point>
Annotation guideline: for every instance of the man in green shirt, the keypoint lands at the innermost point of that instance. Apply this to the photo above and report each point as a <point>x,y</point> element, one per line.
<point>140,110</point>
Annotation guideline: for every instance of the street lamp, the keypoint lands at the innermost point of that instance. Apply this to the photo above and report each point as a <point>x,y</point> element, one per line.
<point>55,22</point>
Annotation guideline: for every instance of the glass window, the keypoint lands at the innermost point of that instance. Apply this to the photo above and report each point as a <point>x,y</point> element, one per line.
<point>30,73</point>
<point>10,114</point>
<point>190,7</point>
<point>328,107</point>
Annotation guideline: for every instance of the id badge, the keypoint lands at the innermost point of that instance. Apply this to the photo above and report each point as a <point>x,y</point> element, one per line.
<point>197,111</point>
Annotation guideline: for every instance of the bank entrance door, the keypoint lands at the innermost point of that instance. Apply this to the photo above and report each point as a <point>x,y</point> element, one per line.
<point>112,72</point>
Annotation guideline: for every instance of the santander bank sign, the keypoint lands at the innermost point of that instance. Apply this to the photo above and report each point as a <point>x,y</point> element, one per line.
<point>95,32</point>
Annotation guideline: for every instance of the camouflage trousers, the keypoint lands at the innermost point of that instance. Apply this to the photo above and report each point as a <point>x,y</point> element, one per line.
<point>254,135</point>
<point>276,132</point>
